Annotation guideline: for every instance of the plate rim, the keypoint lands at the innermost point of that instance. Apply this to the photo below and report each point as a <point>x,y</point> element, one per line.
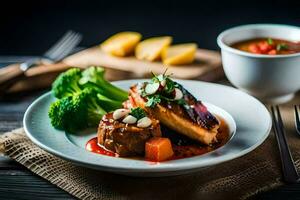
<point>183,166</point>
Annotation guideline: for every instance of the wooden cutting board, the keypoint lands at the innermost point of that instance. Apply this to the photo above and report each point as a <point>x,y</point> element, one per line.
<point>207,67</point>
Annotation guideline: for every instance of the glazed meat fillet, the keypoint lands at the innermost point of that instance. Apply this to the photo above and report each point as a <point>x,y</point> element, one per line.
<point>192,119</point>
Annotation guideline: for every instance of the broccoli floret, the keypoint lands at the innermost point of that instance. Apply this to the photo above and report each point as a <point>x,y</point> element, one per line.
<point>55,115</point>
<point>68,113</point>
<point>76,112</point>
<point>67,83</point>
<point>95,76</point>
<point>83,98</point>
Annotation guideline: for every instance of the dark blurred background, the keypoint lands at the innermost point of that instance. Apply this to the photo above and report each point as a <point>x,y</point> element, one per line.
<point>30,27</point>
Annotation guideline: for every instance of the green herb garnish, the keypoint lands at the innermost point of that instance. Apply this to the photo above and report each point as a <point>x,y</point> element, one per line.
<point>170,86</point>
<point>281,46</point>
<point>181,102</point>
<point>153,100</point>
<point>270,41</point>
<point>165,94</point>
<point>138,113</point>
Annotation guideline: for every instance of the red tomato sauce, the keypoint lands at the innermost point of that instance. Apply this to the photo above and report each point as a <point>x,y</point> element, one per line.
<point>268,46</point>
<point>92,145</point>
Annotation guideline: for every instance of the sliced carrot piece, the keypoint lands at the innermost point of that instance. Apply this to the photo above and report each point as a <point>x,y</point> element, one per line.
<point>158,149</point>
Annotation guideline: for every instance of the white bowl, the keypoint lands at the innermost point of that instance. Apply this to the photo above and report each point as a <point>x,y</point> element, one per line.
<point>273,78</point>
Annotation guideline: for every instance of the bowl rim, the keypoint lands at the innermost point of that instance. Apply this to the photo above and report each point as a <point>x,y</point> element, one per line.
<point>226,47</point>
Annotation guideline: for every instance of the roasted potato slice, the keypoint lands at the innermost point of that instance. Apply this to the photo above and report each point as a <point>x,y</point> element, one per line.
<point>121,44</point>
<point>179,54</point>
<point>151,49</point>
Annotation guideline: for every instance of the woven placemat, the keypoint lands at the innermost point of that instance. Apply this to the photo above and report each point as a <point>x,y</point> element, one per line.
<point>257,171</point>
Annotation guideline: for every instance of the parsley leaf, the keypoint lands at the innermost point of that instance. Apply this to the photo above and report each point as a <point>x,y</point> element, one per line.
<point>281,46</point>
<point>170,86</point>
<point>138,113</point>
<point>181,102</point>
<point>270,41</point>
<point>153,100</point>
<point>143,93</point>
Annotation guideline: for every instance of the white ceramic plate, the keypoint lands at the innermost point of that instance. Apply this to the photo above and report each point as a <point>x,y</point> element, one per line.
<point>250,127</point>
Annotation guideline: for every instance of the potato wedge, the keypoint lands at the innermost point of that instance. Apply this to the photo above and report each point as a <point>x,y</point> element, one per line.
<point>151,49</point>
<point>121,44</point>
<point>179,54</point>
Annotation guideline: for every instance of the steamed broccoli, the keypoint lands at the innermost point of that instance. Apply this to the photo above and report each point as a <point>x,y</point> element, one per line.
<point>109,104</point>
<point>68,113</point>
<point>55,115</point>
<point>66,84</point>
<point>95,76</point>
<point>76,112</point>
<point>83,98</point>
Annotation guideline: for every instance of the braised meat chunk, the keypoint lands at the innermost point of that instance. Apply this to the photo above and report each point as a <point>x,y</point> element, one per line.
<point>126,139</point>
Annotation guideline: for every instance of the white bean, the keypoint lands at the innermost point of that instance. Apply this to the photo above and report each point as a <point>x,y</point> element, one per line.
<point>178,94</point>
<point>144,122</point>
<point>129,119</point>
<point>151,88</point>
<point>119,113</point>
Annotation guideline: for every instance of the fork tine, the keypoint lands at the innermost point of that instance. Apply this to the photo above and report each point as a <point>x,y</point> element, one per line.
<point>68,47</point>
<point>290,173</point>
<point>297,120</point>
<point>66,36</point>
<point>63,45</point>
<point>279,118</point>
<point>274,118</point>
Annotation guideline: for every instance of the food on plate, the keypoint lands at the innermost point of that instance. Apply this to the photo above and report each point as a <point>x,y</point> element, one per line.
<point>158,149</point>
<point>179,54</point>
<point>83,97</point>
<point>170,103</point>
<point>125,131</point>
<point>151,49</point>
<point>157,120</point>
<point>76,112</point>
<point>94,77</point>
<point>121,44</point>
<point>268,46</point>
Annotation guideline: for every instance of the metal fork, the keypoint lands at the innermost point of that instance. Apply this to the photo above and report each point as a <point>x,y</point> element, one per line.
<point>63,47</point>
<point>297,120</point>
<point>290,174</point>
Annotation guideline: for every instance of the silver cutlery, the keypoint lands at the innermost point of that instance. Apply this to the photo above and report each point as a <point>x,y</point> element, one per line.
<point>297,120</point>
<point>15,59</point>
<point>290,174</point>
<point>63,47</point>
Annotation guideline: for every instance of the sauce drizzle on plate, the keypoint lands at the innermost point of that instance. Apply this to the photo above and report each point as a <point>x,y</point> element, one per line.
<point>183,147</point>
<point>93,146</point>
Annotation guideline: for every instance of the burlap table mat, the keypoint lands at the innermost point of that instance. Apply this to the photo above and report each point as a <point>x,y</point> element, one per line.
<point>257,171</point>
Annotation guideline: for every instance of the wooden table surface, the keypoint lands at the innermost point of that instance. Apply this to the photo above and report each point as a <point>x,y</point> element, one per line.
<point>16,182</point>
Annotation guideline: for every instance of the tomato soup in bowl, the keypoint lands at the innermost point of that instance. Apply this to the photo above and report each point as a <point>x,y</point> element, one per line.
<point>268,46</point>
<point>263,60</point>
